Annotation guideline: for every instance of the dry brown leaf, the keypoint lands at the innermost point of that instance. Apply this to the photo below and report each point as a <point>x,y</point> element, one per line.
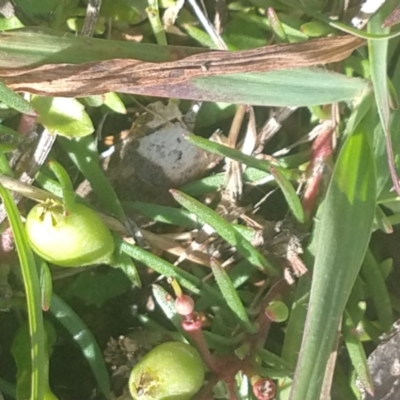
<point>135,76</point>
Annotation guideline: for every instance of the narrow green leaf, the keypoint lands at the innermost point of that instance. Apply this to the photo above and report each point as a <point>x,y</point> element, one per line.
<point>83,152</point>
<point>372,276</point>
<point>290,194</point>
<point>113,102</point>
<point>343,237</point>
<point>9,138</point>
<point>307,87</point>
<point>378,53</point>
<point>63,116</point>
<point>225,230</point>
<point>32,292</point>
<point>84,339</point>
<point>230,295</point>
<point>38,45</point>
<point>362,34</point>
<point>153,13</point>
<point>46,284</point>
<point>21,350</point>
<point>384,144</point>
<point>68,193</point>
<point>275,361</point>
<point>14,100</point>
<point>7,388</point>
<point>356,353</point>
<point>211,183</point>
<point>164,214</point>
<point>167,304</point>
<point>226,151</point>
<point>167,269</point>
<point>123,262</point>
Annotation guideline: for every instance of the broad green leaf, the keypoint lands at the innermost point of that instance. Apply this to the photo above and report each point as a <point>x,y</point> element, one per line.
<point>63,116</point>
<point>81,334</point>
<point>32,293</point>
<point>225,230</point>
<point>86,286</point>
<point>343,236</point>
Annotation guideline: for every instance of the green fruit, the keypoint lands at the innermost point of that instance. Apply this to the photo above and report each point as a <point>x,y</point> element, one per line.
<point>171,371</point>
<point>277,311</point>
<point>77,239</point>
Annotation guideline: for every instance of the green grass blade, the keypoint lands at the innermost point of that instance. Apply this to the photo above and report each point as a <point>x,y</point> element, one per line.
<point>226,151</point>
<point>230,295</point>
<point>33,296</point>
<point>378,53</point>
<point>378,58</point>
<point>165,268</point>
<point>163,214</point>
<point>362,34</point>
<point>225,230</point>
<point>372,276</point>
<point>84,339</point>
<point>356,352</point>
<point>290,194</point>
<point>307,87</point>
<point>34,46</point>
<point>167,304</point>
<point>14,100</point>
<point>83,153</point>
<point>343,237</point>
<point>123,262</point>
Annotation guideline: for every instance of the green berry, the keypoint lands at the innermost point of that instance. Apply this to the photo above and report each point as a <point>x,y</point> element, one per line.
<point>277,311</point>
<point>75,239</point>
<point>171,371</point>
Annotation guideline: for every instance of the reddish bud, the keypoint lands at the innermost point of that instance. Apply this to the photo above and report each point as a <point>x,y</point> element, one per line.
<point>264,389</point>
<point>184,305</point>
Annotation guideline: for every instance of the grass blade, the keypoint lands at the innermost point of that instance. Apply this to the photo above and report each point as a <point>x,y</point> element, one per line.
<point>84,339</point>
<point>226,151</point>
<point>33,297</point>
<point>341,248</point>
<point>14,100</point>
<point>372,276</point>
<point>165,268</point>
<point>83,153</point>
<point>290,194</point>
<point>225,230</point>
<point>356,353</point>
<point>230,295</point>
